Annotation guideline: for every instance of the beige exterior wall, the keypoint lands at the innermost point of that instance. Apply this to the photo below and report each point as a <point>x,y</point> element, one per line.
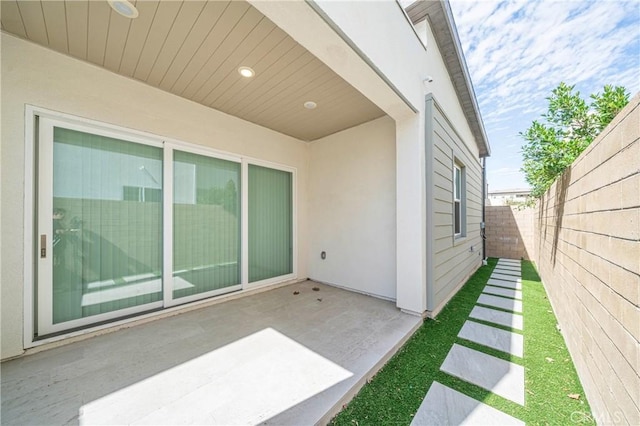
<point>40,77</point>
<point>35,75</point>
<point>329,30</point>
<point>353,209</point>
<point>453,259</point>
<point>510,232</point>
<point>588,244</point>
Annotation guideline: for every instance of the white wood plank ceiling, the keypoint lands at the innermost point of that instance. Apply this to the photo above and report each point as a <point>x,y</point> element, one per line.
<point>194,49</point>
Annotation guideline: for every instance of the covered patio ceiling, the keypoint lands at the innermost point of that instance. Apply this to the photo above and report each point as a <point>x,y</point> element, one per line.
<point>194,49</point>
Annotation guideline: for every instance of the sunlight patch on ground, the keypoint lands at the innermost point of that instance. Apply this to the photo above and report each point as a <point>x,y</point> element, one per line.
<point>245,382</point>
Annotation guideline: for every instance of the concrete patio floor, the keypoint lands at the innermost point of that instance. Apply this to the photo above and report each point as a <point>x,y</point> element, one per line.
<point>268,358</point>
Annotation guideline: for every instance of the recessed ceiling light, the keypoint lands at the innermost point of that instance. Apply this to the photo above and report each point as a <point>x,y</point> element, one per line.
<point>310,105</point>
<point>124,8</point>
<point>246,72</point>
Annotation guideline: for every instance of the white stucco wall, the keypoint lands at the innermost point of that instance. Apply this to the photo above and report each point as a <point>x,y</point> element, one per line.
<point>352,211</point>
<point>411,224</point>
<point>34,75</point>
<point>442,86</point>
<point>383,36</point>
<point>386,38</point>
<point>319,26</point>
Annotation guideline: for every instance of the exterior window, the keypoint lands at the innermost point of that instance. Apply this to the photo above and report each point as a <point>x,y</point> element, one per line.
<point>458,201</point>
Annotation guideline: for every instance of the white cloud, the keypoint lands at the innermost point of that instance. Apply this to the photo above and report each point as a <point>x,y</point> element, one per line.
<point>518,51</point>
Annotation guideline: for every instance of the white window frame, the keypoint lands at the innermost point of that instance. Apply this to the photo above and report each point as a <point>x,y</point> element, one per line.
<point>32,115</point>
<point>459,202</point>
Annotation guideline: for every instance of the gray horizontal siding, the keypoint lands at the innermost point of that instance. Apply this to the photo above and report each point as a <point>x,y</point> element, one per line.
<point>452,260</point>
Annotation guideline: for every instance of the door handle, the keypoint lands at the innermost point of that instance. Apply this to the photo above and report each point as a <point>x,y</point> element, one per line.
<point>43,246</point>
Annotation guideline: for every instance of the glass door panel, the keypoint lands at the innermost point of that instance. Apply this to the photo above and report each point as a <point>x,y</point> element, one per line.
<point>100,205</point>
<point>270,223</point>
<point>206,225</point>
<point>111,242</point>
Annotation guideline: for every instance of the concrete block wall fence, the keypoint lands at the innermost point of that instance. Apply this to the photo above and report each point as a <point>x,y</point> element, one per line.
<point>510,232</point>
<point>587,242</point>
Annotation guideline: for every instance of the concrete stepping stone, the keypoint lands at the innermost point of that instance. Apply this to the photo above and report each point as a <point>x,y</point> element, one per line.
<point>496,375</point>
<point>445,406</point>
<point>505,266</point>
<point>497,317</point>
<point>502,283</point>
<point>510,261</point>
<point>504,277</point>
<point>508,266</point>
<point>505,292</point>
<point>500,302</point>
<point>515,274</point>
<point>507,272</point>
<point>496,338</point>
<point>512,274</point>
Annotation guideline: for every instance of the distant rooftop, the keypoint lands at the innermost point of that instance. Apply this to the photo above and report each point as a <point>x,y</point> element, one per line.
<point>511,191</point>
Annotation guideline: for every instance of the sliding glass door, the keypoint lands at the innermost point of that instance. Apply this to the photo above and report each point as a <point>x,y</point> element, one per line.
<point>270,223</point>
<point>100,227</point>
<point>127,223</point>
<point>206,226</point>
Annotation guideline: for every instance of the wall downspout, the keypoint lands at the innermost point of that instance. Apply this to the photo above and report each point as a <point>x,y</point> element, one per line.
<point>484,197</point>
<point>428,158</point>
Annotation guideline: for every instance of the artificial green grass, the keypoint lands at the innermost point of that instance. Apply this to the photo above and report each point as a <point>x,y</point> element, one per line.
<point>395,393</point>
<point>550,375</point>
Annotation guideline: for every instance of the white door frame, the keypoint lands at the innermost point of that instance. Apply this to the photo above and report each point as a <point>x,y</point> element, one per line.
<point>44,226</point>
<point>169,148</point>
<point>32,262</point>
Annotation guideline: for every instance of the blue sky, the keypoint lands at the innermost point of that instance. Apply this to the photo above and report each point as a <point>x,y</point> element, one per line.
<point>518,51</point>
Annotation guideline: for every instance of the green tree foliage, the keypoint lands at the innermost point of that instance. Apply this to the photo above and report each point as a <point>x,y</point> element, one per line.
<point>226,197</point>
<point>568,127</point>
